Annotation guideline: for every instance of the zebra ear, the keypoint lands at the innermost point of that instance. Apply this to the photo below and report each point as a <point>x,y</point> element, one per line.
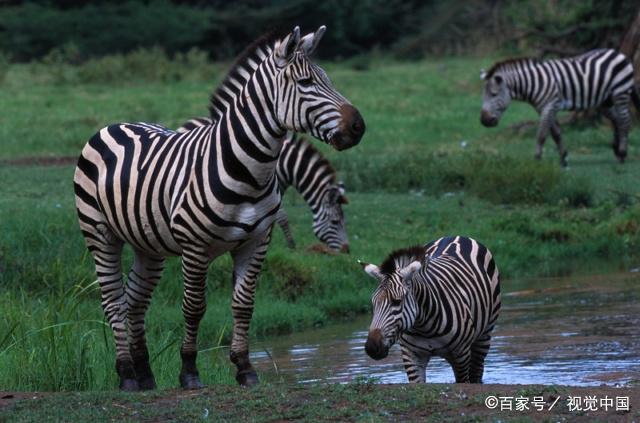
<point>408,271</point>
<point>284,49</point>
<point>371,270</point>
<point>310,41</point>
<point>341,188</point>
<point>483,74</point>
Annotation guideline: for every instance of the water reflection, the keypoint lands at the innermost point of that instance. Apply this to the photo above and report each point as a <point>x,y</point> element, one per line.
<point>570,331</point>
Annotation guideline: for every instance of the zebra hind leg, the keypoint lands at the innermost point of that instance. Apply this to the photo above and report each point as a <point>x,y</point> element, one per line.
<point>479,350</point>
<point>106,250</point>
<point>143,278</point>
<point>247,263</point>
<point>194,271</point>
<point>460,364</point>
<point>623,123</point>
<point>283,221</point>
<point>610,114</point>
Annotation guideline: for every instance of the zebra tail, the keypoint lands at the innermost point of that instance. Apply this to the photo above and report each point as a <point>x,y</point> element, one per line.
<point>635,98</point>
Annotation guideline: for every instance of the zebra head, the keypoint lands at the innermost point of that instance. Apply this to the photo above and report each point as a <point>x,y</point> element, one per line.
<point>394,306</point>
<point>306,101</point>
<point>495,99</point>
<point>328,221</point>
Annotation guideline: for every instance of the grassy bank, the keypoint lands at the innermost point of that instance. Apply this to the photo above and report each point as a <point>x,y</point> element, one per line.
<point>426,168</point>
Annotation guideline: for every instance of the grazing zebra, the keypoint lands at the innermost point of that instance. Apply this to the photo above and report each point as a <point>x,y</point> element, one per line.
<point>198,195</point>
<point>600,78</point>
<point>303,166</point>
<point>440,299</point>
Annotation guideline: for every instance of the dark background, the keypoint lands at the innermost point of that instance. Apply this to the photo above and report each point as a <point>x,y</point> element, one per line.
<point>30,30</point>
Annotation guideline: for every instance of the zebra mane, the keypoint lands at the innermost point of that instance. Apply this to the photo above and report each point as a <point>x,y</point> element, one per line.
<point>402,258</point>
<point>510,63</point>
<point>246,61</point>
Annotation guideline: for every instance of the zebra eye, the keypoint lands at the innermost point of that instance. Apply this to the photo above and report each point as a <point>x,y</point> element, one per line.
<point>305,82</point>
<point>395,302</point>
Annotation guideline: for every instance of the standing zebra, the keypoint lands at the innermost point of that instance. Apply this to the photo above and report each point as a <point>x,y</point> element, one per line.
<point>199,195</point>
<point>600,78</point>
<point>442,299</point>
<point>303,166</point>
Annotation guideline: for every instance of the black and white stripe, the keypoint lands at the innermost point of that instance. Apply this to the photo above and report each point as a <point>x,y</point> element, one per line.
<point>302,166</point>
<point>600,78</point>
<point>199,195</point>
<point>440,299</point>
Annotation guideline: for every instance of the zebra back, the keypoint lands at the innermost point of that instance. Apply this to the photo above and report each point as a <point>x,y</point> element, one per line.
<point>471,266</point>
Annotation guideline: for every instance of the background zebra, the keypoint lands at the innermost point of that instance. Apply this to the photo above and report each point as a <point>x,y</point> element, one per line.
<point>199,195</point>
<point>600,78</point>
<point>442,299</point>
<point>302,166</point>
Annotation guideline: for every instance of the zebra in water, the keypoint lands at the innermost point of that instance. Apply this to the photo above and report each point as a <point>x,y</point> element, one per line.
<point>199,195</point>
<point>440,299</point>
<point>600,78</point>
<point>302,166</point>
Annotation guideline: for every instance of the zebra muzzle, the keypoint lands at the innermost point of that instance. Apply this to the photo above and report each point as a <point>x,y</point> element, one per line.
<point>487,119</point>
<point>375,345</point>
<point>351,129</point>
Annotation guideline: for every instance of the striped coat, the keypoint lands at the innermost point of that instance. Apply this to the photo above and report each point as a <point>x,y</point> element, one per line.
<point>199,195</point>
<point>600,79</point>
<point>440,299</point>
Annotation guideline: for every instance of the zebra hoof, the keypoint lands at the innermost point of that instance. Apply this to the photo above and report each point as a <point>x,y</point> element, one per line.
<point>147,383</point>
<point>563,159</point>
<point>247,378</point>
<point>190,381</point>
<point>129,385</point>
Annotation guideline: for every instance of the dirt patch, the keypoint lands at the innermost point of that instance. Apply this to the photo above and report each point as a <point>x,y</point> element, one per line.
<point>351,402</point>
<point>9,398</point>
<point>41,161</point>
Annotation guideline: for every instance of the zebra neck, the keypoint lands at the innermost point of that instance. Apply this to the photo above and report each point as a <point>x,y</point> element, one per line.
<point>306,169</point>
<point>246,144</point>
<point>430,306</point>
<point>523,83</point>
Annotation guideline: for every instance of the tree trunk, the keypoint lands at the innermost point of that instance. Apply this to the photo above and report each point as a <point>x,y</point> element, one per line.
<point>630,45</point>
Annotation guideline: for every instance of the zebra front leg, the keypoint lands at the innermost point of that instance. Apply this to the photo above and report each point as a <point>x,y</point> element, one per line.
<point>194,271</point>
<point>546,119</point>
<point>143,278</point>
<point>479,350</point>
<point>283,221</point>
<point>247,262</point>
<point>414,365</point>
<point>555,133</point>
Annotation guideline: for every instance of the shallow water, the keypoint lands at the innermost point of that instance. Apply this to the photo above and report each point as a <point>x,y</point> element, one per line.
<point>577,331</point>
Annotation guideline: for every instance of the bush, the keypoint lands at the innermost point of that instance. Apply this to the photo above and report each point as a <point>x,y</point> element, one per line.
<point>4,65</point>
<point>493,176</point>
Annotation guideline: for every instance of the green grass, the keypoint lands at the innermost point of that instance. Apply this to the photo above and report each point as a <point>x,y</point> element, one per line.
<point>409,181</point>
<point>361,401</point>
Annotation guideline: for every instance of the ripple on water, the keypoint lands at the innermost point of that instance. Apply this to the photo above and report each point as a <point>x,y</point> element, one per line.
<point>569,331</point>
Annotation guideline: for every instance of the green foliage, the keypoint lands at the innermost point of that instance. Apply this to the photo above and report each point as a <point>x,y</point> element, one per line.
<point>33,29</point>
<point>409,29</point>
<point>425,169</point>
